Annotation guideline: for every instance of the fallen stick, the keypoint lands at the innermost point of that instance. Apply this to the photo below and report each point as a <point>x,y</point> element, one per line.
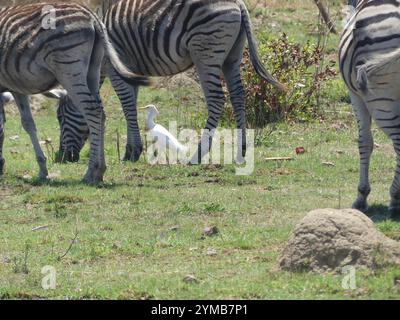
<point>279,159</point>
<point>40,228</point>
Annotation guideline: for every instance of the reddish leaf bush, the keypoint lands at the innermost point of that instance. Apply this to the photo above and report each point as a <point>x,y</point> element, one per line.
<point>301,67</point>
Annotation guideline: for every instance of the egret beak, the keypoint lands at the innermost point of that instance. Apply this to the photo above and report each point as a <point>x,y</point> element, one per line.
<point>143,109</point>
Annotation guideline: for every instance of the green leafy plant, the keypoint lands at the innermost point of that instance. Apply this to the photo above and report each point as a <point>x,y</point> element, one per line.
<point>301,67</point>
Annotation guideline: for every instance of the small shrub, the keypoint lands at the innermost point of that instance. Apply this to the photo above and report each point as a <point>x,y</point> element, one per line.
<point>212,208</point>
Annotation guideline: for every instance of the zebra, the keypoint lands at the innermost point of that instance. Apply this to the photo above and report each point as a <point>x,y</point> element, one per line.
<point>370,65</point>
<point>35,58</point>
<point>167,37</point>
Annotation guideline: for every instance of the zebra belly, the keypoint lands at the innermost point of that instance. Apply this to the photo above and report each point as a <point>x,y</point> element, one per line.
<point>159,67</point>
<point>35,81</point>
<point>33,88</point>
<point>153,36</point>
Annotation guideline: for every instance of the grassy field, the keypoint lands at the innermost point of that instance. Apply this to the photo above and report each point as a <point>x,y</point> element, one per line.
<point>140,234</point>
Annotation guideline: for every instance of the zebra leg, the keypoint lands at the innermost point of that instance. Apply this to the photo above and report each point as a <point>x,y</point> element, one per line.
<point>388,119</point>
<point>394,207</point>
<point>366,146</point>
<point>237,96</point>
<point>84,91</point>
<point>128,96</point>
<point>2,121</point>
<point>29,126</point>
<point>231,70</point>
<point>92,109</point>
<point>210,78</point>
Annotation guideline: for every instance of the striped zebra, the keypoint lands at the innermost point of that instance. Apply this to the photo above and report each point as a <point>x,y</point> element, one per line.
<point>36,56</point>
<point>167,37</point>
<point>370,65</point>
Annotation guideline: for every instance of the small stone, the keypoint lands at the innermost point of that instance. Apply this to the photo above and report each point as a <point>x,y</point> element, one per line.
<point>54,175</point>
<point>210,231</point>
<point>14,138</point>
<point>190,279</point>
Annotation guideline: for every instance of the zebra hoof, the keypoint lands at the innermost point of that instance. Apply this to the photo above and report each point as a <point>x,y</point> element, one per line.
<point>394,213</point>
<point>43,176</point>
<point>240,160</point>
<point>92,180</point>
<point>196,160</point>
<point>2,163</point>
<point>360,206</point>
<point>133,154</point>
<point>94,176</point>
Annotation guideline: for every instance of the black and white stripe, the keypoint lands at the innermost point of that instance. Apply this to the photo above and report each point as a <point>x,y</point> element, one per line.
<point>33,59</point>
<point>166,37</point>
<point>370,65</point>
<point>74,131</point>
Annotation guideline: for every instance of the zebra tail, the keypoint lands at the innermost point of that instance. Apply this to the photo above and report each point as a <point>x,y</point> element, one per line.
<point>362,78</point>
<point>116,62</point>
<point>381,64</point>
<point>2,112</point>
<point>254,56</point>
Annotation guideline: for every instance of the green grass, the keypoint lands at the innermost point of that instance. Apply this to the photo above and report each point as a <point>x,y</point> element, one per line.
<point>140,234</point>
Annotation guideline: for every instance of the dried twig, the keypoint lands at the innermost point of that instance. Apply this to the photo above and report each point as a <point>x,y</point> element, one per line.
<point>118,146</point>
<point>325,15</point>
<point>279,159</point>
<point>40,228</point>
<point>76,233</point>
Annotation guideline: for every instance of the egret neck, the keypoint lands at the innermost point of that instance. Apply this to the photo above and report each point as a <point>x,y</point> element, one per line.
<point>150,122</point>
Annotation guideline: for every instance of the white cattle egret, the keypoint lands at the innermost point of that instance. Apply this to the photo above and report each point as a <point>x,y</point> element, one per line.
<point>163,138</point>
